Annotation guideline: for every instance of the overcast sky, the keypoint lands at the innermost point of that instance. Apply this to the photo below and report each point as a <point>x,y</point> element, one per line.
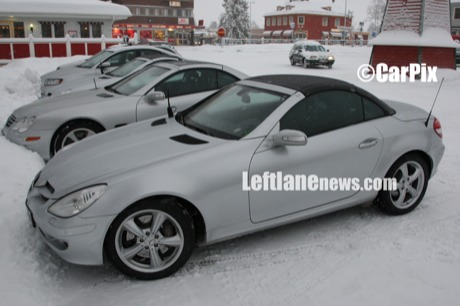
<point>209,10</point>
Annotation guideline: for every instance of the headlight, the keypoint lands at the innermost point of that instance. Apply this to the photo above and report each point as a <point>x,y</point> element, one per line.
<point>76,202</point>
<point>23,125</point>
<point>53,82</point>
<point>330,58</point>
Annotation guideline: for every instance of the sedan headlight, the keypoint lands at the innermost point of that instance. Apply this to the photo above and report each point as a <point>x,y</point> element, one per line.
<point>23,125</point>
<point>330,58</point>
<point>76,202</point>
<point>53,82</point>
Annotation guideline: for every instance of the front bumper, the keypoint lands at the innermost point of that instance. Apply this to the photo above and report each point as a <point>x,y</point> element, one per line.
<point>41,146</point>
<point>76,240</point>
<point>318,62</point>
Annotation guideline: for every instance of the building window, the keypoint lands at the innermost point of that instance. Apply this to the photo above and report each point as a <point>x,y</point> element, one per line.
<point>325,21</point>
<point>96,30</point>
<point>59,29</point>
<point>291,19</point>
<point>269,22</point>
<point>457,13</point>
<point>170,13</point>
<point>84,30</point>
<point>274,21</point>
<point>19,30</point>
<point>133,10</point>
<point>337,22</point>
<point>285,20</point>
<point>301,20</point>
<point>175,3</point>
<point>46,30</point>
<point>4,31</point>
<point>279,21</point>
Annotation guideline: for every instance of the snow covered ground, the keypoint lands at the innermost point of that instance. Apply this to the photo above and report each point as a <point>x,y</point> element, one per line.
<point>354,257</point>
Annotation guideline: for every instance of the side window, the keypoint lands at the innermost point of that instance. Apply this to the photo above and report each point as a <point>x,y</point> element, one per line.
<point>372,110</point>
<point>189,82</point>
<point>122,58</point>
<point>324,112</point>
<point>224,79</point>
<point>151,54</point>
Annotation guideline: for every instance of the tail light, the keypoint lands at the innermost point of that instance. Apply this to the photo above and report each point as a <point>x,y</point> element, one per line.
<point>437,127</point>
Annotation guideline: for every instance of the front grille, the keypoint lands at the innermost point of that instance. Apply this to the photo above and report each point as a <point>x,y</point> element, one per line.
<point>10,121</point>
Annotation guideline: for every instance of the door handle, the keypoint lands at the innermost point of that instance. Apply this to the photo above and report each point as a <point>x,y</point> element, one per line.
<point>367,143</point>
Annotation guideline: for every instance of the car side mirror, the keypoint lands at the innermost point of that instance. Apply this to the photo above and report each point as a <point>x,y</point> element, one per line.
<point>290,138</point>
<point>154,97</point>
<point>103,65</point>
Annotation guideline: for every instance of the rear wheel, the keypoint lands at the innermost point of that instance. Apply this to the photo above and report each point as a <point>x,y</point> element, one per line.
<point>305,63</point>
<point>411,174</point>
<point>73,132</point>
<point>150,240</point>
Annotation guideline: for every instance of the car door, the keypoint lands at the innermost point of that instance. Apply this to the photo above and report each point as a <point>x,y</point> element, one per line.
<point>184,88</point>
<point>341,144</point>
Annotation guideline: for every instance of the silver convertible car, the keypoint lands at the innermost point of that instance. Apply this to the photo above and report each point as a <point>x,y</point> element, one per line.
<point>48,125</point>
<point>145,195</point>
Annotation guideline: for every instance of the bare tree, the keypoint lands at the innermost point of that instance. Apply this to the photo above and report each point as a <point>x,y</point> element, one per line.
<point>375,12</point>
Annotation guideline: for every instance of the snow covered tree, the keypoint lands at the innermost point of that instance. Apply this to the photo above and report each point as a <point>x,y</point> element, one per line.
<point>235,19</point>
<point>375,13</point>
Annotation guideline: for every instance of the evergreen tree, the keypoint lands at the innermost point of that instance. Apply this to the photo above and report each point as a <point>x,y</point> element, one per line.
<point>235,19</point>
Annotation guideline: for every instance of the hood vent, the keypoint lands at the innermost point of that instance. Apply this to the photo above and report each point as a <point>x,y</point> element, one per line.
<point>159,122</point>
<point>187,139</point>
<point>105,95</point>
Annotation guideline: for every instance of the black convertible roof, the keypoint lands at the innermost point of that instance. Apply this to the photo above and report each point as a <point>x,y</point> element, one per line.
<point>308,84</point>
<point>303,83</point>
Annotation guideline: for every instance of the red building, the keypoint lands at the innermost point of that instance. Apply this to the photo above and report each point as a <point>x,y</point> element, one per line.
<point>160,20</point>
<point>415,31</point>
<point>314,19</point>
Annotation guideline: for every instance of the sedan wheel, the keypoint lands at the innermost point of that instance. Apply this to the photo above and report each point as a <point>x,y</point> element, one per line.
<point>150,241</point>
<point>292,61</point>
<point>73,132</point>
<point>305,64</point>
<point>411,175</point>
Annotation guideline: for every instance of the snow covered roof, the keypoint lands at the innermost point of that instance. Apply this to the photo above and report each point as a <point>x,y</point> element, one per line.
<point>51,8</point>
<point>431,37</point>
<point>312,7</point>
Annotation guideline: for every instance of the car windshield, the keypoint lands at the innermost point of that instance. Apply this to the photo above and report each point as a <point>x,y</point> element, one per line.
<point>127,68</point>
<point>96,59</point>
<point>133,83</point>
<point>313,48</point>
<point>232,113</point>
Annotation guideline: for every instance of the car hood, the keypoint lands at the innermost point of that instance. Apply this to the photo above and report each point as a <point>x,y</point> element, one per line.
<point>317,53</point>
<point>54,103</point>
<point>64,70</point>
<point>99,158</point>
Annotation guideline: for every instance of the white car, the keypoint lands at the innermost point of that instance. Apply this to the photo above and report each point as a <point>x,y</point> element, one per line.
<point>310,53</point>
<point>60,81</point>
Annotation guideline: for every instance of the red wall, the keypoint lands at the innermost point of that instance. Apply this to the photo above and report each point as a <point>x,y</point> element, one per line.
<point>59,50</point>
<point>21,50</point>
<point>394,55</point>
<point>405,55</point>
<point>42,50</point>
<point>94,48</point>
<point>313,24</point>
<point>5,52</point>
<point>441,57</point>
<point>77,49</point>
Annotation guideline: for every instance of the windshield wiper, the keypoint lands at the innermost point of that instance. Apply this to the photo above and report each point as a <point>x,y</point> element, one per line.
<point>200,130</point>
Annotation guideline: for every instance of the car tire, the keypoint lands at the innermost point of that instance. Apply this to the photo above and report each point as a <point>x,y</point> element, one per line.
<point>329,66</point>
<point>411,174</point>
<point>292,61</point>
<point>72,132</point>
<point>150,240</point>
<point>305,63</point>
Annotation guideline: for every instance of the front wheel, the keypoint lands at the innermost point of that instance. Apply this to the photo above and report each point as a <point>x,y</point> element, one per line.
<point>73,132</point>
<point>305,64</point>
<point>292,61</point>
<point>150,240</point>
<point>411,174</point>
